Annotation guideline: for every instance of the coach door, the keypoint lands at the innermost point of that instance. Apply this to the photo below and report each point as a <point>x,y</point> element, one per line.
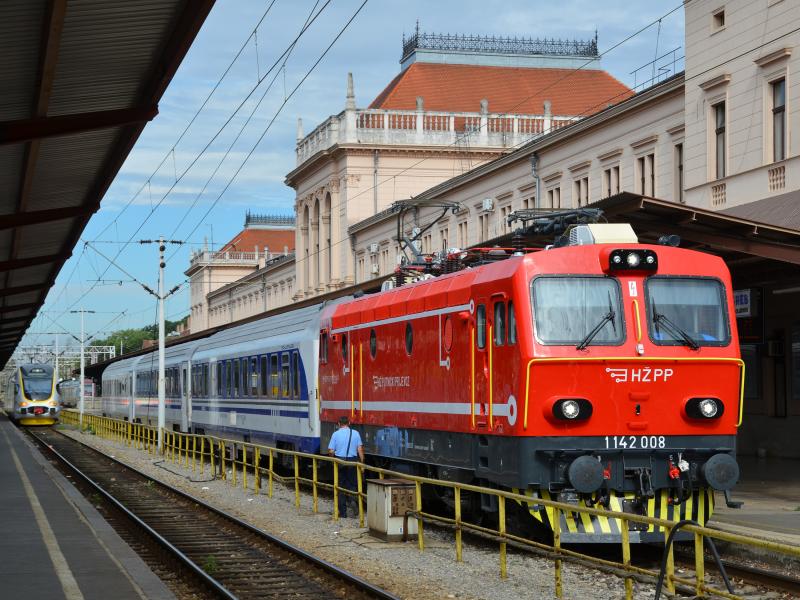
<point>480,366</point>
<point>186,398</point>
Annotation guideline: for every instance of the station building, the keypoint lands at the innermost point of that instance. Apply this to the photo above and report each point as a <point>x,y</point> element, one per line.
<point>710,153</point>
<point>230,283</point>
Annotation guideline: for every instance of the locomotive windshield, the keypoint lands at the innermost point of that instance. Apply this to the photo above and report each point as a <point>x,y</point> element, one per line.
<point>38,386</point>
<point>686,311</point>
<point>577,311</point>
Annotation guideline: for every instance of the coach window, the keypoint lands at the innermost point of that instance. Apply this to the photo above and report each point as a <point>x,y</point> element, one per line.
<point>274,375</point>
<point>409,338</point>
<point>219,379</point>
<point>480,325</point>
<point>245,383</point>
<point>499,323</point>
<point>512,324</point>
<point>296,373</point>
<point>205,385</point>
<point>264,377</point>
<point>373,343</point>
<point>236,378</point>
<point>285,381</point>
<point>254,376</point>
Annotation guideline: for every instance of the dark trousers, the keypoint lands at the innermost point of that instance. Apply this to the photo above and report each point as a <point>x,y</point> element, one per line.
<point>347,480</point>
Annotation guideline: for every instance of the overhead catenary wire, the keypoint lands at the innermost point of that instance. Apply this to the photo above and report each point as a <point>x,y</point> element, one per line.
<point>275,116</point>
<point>208,144</point>
<point>314,254</point>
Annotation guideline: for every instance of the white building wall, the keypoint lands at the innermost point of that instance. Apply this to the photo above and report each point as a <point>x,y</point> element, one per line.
<point>736,63</point>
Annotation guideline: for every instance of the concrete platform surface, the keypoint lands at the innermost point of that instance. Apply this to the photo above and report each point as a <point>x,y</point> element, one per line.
<point>53,543</point>
<point>770,490</point>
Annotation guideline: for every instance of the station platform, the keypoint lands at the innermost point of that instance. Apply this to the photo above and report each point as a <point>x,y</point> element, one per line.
<point>770,490</point>
<point>53,543</point>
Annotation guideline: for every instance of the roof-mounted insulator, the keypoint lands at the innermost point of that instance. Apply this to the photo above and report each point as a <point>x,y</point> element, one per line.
<point>518,243</point>
<point>399,278</point>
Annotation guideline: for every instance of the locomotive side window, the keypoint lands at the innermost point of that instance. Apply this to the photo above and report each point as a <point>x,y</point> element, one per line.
<point>499,324</point>
<point>512,324</point>
<point>567,310</point>
<point>409,338</point>
<point>344,348</point>
<point>686,311</point>
<point>323,347</point>
<point>480,326</point>
<point>373,343</point>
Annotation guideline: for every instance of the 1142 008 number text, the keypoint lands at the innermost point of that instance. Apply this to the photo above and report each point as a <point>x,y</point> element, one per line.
<point>638,442</point>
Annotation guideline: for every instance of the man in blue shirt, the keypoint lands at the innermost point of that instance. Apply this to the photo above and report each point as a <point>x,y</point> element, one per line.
<point>346,444</point>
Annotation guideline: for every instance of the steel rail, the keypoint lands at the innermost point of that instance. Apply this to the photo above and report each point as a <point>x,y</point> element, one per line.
<point>207,580</point>
<point>363,585</point>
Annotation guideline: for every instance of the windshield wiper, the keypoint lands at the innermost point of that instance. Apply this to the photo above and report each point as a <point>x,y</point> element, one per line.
<point>659,318</point>
<point>609,316</point>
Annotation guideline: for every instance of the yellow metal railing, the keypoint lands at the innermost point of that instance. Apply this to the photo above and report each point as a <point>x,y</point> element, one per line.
<point>247,464</point>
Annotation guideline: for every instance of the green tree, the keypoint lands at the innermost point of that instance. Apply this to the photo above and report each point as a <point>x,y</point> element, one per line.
<point>130,340</point>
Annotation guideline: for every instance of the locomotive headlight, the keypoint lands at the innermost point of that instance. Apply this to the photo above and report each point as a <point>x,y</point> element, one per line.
<point>633,260</point>
<point>704,408</point>
<point>650,259</point>
<point>616,259</point>
<point>570,409</point>
<point>708,408</point>
<point>23,403</point>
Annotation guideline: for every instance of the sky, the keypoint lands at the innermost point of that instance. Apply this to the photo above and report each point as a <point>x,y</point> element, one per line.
<point>193,180</point>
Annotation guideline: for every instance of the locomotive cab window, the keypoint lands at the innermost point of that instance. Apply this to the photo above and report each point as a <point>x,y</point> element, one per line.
<point>580,311</point>
<point>687,311</point>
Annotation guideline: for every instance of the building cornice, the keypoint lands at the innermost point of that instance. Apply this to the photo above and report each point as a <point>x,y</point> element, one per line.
<point>770,58</point>
<point>710,84</point>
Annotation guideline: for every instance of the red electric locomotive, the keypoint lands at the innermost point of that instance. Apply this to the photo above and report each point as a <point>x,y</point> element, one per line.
<point>603,372</point>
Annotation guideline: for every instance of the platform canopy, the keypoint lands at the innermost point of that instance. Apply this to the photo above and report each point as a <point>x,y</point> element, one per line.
<point>79,80</point>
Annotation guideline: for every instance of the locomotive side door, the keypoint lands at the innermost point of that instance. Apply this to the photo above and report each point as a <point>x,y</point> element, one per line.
<point>480,365</point>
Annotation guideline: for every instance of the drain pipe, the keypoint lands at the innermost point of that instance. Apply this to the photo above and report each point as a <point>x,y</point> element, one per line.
<point>535,174</point>
<point>375,160</point>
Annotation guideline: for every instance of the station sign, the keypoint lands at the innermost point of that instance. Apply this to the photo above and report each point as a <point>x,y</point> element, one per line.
<point>743,303</point>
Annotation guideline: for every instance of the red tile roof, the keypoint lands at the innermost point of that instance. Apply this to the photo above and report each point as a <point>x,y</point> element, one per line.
<point>516,90</point>
<point>248,239</point>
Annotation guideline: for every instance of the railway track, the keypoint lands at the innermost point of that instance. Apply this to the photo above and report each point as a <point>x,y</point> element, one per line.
<point>221,554</point>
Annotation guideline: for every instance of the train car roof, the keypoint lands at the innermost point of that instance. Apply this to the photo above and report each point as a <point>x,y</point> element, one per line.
<point>279,329</point>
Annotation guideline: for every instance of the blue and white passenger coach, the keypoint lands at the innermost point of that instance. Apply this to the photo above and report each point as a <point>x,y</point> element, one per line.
<point>253,382</point>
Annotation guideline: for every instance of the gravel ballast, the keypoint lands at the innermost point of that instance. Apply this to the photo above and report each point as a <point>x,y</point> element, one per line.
<point>398,567</point>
